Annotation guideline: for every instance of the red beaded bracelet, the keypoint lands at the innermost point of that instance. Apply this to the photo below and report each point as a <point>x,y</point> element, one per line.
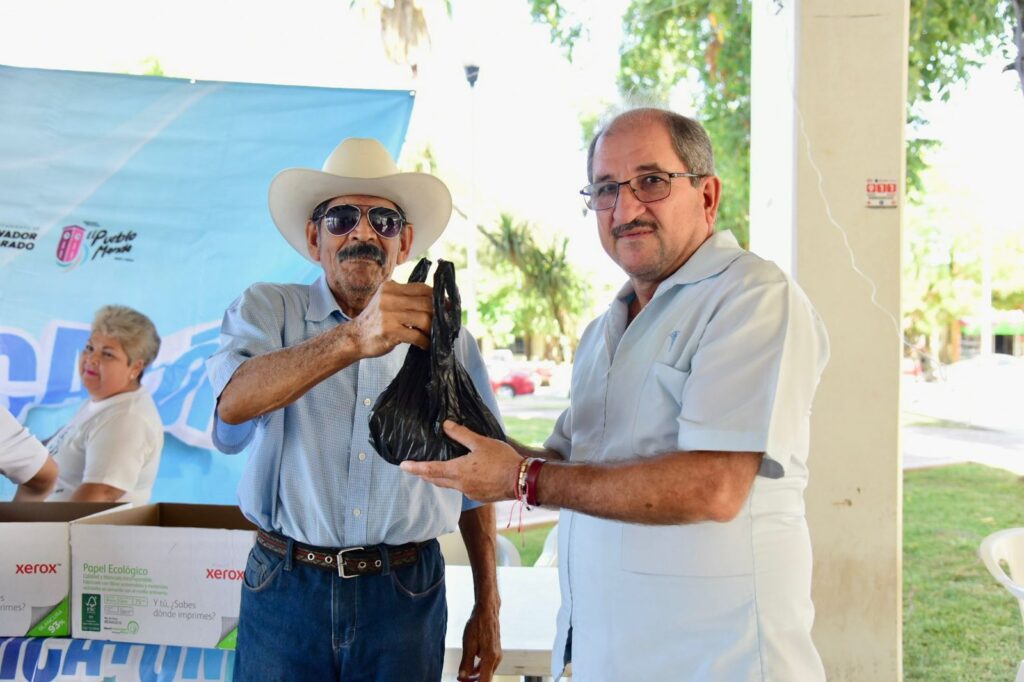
<point>532,473</point>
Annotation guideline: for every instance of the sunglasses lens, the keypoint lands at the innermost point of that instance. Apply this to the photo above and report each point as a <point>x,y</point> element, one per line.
<point>340,220</point>
<point>388,222</point>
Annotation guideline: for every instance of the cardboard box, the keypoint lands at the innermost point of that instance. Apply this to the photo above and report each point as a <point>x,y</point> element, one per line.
<point>35,573</point>
<point>160,574</point>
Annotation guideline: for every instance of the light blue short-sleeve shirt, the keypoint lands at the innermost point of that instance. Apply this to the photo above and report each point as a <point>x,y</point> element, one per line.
<point>312,473</point>
<point>726,356</point>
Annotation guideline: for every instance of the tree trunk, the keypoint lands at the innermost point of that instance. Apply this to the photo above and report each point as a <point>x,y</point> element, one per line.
<point>954,341</point>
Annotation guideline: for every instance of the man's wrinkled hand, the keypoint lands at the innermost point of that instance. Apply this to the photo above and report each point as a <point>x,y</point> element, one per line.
<point>487,474</point>
<point>397,313</point>
<point>481,645</point>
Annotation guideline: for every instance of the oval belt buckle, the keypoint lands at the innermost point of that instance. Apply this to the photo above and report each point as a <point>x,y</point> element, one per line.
<point>341,562</point>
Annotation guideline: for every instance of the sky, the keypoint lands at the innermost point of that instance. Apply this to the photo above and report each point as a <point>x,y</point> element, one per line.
<point>513,142</point>
<point>982,132</point>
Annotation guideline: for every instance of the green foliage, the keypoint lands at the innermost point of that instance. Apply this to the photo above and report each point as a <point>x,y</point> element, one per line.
<point>941,272</point>
<point>589,123</point>
<point>532,289</point>
<point>943,250</point>
<point>1013,300</point>
<point>1007,275</point>
<point>948,40</point>
<point>668,42</point>
<point>958,623</point>
<point>563,31</point>
<point>152,67</point>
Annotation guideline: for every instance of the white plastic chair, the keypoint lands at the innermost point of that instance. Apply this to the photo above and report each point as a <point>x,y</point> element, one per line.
<point>1007,546</point>
<point>507,554</point>
<point>454,551</point>
<point>549,553</point>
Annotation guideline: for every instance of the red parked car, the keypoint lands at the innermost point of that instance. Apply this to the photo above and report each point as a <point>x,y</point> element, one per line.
<point>513,383</point>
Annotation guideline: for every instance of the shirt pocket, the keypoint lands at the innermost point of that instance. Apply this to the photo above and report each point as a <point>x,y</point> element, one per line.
<point>659,404</point>
<point>702,550</point>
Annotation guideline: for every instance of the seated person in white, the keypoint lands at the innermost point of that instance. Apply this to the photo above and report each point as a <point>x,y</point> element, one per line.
<point>110,450</point>
<point>24,460</point>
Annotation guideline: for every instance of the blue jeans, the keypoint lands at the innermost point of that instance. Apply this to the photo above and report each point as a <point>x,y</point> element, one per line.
<point>301,622</point>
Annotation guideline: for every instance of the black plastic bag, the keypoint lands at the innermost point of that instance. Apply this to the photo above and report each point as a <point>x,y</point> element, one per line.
<point>432,386</point>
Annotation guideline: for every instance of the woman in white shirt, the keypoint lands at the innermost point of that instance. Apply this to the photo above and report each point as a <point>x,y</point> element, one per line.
<point>110,450</point>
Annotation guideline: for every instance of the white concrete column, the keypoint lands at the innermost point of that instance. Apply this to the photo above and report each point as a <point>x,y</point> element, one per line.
<point>828,106</point>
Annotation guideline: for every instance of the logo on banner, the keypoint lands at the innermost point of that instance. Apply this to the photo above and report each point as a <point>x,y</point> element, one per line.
<point>78,245</point>
<point>70,249</point>
<point>18,238</point>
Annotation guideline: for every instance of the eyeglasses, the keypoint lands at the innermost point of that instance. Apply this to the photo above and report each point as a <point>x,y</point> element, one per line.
<point>648,187</point>
<point>342,219</point>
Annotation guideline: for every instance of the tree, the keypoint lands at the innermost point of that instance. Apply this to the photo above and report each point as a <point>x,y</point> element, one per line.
<point>533,290</point>
<point>944,247</point>
<point>941,280</point>
<point>152,67</point>
<point>1008,276</point>
<point>948,40</point>
<point>667,42</point>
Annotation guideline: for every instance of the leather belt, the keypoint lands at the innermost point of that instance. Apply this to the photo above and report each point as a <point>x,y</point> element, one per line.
<point>350,562</point>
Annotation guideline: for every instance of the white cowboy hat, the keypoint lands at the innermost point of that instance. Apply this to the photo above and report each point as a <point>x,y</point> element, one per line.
<point>359,166</point>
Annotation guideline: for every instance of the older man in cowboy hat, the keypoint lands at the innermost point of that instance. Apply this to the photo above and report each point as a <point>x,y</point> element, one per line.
<point>346,579</point>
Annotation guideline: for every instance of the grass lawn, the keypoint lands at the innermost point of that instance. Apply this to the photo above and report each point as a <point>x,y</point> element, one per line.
<point>532,432</point>
<point>530,543</point>
<point>958,623</point>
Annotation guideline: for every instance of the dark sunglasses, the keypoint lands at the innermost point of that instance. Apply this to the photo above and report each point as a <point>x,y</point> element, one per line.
<point>342,219</point>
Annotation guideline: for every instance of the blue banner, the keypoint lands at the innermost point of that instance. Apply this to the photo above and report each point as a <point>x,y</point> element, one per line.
<point>152,193</point>
<point>58,659</point>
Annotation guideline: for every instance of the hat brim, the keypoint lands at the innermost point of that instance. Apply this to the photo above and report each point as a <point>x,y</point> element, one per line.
<point>295,192</point>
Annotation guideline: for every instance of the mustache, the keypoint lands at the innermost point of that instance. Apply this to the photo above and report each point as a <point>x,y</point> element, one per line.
<point>363,250</point>
<point>619,230</point>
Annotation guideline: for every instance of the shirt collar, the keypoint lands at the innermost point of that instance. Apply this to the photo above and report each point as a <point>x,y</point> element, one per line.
<point>114,399</point>
<point>710,258</point>
<point>322,302</point>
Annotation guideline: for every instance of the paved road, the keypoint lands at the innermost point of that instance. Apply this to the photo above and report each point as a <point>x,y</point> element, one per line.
<point>979,421</point>
<point>546,403</point>
<point>925,446</point>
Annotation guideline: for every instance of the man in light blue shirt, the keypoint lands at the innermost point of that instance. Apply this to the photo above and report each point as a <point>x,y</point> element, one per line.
<point>680,465</point>
<point>346,580</point>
